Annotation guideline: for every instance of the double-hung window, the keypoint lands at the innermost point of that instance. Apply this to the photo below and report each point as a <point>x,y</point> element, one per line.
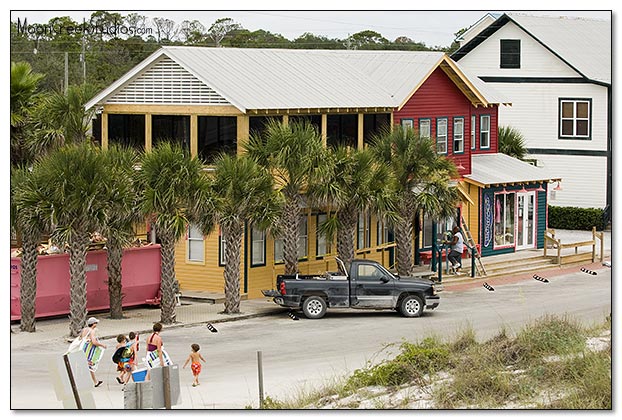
<point>320,237</point>
<point>258,247</point>
<point>441,136</point>
<point>195,244</point>
<point>222,248</point>
<point>459,135</point>
<point>473,119</point>
<point>575,118</point>
<point>424,128</point>
<point>484,132</point>
<point>363,232</point>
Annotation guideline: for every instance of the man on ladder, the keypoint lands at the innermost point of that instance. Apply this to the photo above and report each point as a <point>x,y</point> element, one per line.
<point>457,247</point>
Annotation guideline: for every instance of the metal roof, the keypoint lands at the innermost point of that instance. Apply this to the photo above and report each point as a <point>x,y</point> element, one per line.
<point>498,168</point>
<point>252,78</point>
<point>583,43</point>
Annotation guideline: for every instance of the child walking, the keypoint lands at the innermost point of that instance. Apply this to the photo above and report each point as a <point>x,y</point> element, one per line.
<point>195,363</point>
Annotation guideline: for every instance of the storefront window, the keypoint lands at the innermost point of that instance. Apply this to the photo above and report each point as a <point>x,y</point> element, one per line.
<point>504,219</point>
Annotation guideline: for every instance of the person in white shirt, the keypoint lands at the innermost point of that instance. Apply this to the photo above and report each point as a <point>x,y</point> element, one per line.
<point>457,247</point>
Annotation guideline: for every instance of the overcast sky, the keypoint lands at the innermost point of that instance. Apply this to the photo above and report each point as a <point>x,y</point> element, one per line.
<point>434,28</point>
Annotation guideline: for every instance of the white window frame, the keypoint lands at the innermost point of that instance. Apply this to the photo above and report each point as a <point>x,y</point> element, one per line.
<point>441,138</point>
<point>363,233</point>
<point>278,251</point>
<point>303,238</point>
<point>486,131</point>
<point>258,237</point>
<point>195,236</point>
<point>458,134</point>
<point>321,242</point>
<point>473,141</point>
<point>427,124</point>
<point>407,123</point>
<point>222,248</point>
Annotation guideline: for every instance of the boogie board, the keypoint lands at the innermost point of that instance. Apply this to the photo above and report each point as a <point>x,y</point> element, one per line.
<point>93,355</point>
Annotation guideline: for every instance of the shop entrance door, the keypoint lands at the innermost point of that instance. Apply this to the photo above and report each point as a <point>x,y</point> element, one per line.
<point>525,221</point>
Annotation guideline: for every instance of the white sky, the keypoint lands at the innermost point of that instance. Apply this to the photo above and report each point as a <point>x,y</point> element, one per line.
<point>434,28</point>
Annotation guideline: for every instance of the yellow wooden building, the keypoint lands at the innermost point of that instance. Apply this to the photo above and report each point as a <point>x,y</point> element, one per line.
<point>211,99</point>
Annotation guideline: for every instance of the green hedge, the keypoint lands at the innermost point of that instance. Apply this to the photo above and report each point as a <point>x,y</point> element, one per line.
<point>575,218</point>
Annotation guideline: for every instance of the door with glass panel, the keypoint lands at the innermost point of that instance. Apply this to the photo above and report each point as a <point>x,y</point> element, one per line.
<point>525,220</point>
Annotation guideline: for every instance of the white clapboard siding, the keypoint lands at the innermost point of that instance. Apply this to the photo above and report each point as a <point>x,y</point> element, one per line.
<point>166,82</point>
<point>535,113</point>
<point>584,179</point>
<point>536,60</point>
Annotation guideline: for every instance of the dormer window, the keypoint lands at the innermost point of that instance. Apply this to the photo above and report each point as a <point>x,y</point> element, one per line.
<point>510,54</point>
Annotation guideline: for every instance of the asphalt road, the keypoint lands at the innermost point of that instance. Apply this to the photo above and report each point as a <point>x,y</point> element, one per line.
<point>299,355</point>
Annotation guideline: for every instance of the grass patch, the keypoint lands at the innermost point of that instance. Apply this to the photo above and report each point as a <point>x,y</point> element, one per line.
<point>504,371</point>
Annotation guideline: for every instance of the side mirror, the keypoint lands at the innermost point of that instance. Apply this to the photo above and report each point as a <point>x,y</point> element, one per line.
<point>384,279</point>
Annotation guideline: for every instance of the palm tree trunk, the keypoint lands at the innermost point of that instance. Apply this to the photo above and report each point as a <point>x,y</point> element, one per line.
<point>404,241</point>
<point>233,238</point>
<point>168,282</point>
<point>77,273</point>
<point>345,236</point>
<point>28,283</point>
<point>290,220</point>
<point>115,256</point>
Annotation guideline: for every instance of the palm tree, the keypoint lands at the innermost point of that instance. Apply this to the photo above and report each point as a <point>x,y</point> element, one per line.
<point>24,96</point>
<point>422,184</point>
<point>242,192</point>
<point>75,200</point>
<point>357,182</point>
<point>28,220</point>
<point>512,142</point>
<point>122,217</point>
<point>294,155</point>
<point>169,182</point>
<point>62,119</point>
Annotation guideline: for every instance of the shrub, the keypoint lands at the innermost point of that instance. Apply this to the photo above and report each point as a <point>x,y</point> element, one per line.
<point>575,218</point>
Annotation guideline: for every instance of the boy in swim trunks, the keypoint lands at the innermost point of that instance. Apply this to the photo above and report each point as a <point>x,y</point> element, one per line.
<point>195,363</point>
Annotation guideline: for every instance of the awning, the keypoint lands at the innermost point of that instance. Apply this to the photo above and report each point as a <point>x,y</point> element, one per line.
<point>500,169</point>
<point>465,194</point>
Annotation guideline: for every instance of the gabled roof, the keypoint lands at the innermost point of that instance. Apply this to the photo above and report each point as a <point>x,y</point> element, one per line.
<point>257,79</point>
<point>498,168</point>
<point>583,44</point>
<point>477,27</point>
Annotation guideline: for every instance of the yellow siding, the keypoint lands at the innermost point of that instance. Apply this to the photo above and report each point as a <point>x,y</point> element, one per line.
<point>471,212</point>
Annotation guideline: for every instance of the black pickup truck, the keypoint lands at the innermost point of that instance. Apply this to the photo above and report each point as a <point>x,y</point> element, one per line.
<point>368,286</point>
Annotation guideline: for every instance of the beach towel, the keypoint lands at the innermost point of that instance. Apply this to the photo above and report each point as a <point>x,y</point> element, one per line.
<point>93,355</point>
<point>153,359</point>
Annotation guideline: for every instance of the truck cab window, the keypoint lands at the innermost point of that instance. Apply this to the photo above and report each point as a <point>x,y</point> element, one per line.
<point>368,272</point>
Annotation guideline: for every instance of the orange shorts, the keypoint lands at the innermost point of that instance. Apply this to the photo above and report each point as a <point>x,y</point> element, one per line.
<point>196,368</point>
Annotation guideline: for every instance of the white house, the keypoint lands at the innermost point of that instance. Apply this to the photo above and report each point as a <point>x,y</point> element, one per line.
<point>557,73</point>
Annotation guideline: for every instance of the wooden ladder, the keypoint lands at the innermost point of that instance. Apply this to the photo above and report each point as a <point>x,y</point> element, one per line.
<point>479,266</point>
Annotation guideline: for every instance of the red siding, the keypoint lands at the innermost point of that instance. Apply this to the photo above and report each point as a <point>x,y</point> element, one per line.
<point>439,97</point>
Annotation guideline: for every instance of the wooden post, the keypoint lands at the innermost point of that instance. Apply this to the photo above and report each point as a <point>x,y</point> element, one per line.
<point>72,382</point>
<point>194,135</point>
<point>260,375</point>
<point>104,130</point>
<point>148,133</point>
<point>166,379</point>
<point>360,133</point>
<point>324,129</point>
<point>243,132</point>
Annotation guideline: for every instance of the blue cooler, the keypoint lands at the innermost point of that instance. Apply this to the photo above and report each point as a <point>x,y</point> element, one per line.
<point>139,375</point>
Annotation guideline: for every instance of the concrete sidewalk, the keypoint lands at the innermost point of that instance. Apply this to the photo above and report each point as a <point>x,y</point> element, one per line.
<point>141,319</point>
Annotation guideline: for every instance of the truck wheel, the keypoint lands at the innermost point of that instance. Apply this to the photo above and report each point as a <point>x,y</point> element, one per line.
<point>314,307</point>
<point>411,306</point>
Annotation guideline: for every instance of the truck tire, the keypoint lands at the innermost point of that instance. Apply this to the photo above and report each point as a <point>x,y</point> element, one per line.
<point>314,307</point>
<point>411,306</point>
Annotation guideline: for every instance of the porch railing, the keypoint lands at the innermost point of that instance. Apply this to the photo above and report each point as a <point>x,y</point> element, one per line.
<point>549,239</point>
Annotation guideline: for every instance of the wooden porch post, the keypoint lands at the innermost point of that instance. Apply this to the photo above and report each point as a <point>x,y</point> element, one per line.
<point>104,130</point>
<point>324,128</point>
<point>243,132</point>
<point>360,133</point>
<point>194,135</point>
<point>148,133</point>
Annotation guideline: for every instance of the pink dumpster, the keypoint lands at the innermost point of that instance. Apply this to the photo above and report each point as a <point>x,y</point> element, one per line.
<point>140,282</point>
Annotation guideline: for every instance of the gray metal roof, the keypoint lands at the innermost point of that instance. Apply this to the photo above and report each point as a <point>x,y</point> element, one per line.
<point>497,168</point>
<point>252,78</point>
<point>583,43</point>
